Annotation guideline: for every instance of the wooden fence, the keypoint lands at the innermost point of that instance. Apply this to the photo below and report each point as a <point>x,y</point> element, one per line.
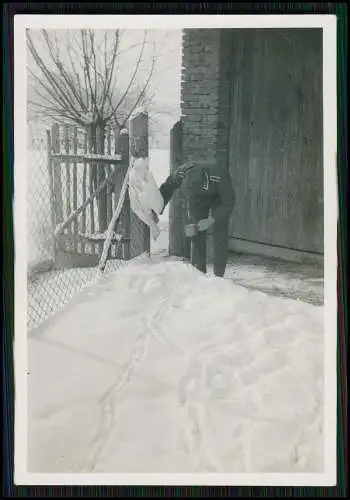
<point>85,178</point>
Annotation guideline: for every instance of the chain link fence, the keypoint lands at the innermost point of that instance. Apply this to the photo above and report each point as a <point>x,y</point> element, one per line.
<point>56,274</point>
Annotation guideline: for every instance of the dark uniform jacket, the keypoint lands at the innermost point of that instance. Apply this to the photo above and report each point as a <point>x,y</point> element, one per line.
<point>204,186</point>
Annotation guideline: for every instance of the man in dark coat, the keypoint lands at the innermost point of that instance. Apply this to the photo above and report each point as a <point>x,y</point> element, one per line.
<point>210,202</point>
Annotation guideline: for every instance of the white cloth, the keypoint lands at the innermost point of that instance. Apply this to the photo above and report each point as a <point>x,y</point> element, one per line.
<point>144,194</point>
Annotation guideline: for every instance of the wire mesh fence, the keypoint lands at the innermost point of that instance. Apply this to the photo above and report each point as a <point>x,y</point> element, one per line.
<point>64,240</point>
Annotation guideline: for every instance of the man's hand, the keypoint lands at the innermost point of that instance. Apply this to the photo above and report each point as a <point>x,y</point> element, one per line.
<point>205,224</point>
<point>180,172</point>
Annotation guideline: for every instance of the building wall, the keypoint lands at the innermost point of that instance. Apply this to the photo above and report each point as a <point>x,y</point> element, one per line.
<point>205,94</point>
<point>252,101</point>
<point>276,138</point>
<point>205,121</point>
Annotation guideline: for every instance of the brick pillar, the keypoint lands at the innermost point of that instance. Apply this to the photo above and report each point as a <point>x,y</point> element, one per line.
<point>200,93</point>
<point>205,97</point>
<point>205,94</point>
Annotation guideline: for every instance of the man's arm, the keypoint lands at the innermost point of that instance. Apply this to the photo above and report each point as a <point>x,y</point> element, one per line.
<point>173,182</point>
<point>227,196</point>
<point>168,188</point>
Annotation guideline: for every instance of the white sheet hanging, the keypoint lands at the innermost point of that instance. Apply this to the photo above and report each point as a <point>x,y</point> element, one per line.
<point>144,194</point>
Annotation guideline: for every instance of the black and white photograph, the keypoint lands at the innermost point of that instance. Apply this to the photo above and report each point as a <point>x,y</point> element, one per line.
<point>175,201</point>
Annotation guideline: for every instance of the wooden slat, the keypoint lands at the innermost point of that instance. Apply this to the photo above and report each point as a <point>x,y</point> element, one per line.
<point>79,158</point>
<point>51,192</point>
<point>83,217</point>
<point>91,188</point>
<point>276,138</point>
<point>75,184</point>
<point>93,239</point>
<point>57,176</point>
<point>68,176</point>
<point>102,197</point>
<point>113,222</point>
<point>75,214</point>
<point>92,205</point>
<point>109,186</point>
<point>109,142</point>
<point>116,137</point>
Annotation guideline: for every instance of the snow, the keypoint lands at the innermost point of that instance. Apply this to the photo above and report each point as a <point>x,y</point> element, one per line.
<point>158,368</point>
<point>278,277</point>
<point>103,236</point>
<point>141,110</point>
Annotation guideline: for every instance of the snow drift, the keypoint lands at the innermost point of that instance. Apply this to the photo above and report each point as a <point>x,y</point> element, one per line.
<point>161,369</point>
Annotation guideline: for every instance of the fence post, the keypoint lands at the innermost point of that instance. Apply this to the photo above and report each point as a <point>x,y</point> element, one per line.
<point>91,136</point>
<point>108,169</point>
<point>83,217</point>
<point>57,176</point>
<point>68,181</point>
<point>75,188</point>
<point>179,245</point>
<point>101,175</point>
<point>123,146</point>
<point>138,130</point>
<point>51,193</point>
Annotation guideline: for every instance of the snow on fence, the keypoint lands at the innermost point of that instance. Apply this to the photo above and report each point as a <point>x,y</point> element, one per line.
<point>74,178</point>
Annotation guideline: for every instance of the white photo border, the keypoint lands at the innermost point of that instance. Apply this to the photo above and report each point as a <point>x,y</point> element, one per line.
<point>328,25</point>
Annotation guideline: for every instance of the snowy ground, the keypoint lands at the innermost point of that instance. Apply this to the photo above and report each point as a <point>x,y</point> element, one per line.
<point>161,369</point>
<point>52,290</point>
<point>157,368</point>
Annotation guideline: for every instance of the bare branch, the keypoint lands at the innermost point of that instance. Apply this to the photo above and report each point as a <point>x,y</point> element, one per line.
<point>131,80</point>
<point>53,104</point>
<point>94,67</point>
<point>109,79</point>
<point>58,102</point>
<point>50,112</point>
<point>87,71</point>
<point>142,93</point>
<point>75,78</point>
<point>75,73</point>
<point>68,88</point>
<point>116,121</point>
<point>56,92</point>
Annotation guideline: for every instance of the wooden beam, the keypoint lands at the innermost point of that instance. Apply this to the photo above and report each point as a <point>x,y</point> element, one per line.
<point>59,230</point>
<point>79,158</point>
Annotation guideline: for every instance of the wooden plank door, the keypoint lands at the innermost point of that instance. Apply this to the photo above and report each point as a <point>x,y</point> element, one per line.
<point>276,137</point>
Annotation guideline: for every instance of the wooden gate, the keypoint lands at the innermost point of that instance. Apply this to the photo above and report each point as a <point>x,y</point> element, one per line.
<point>276,137</point>
<point>85,187</point>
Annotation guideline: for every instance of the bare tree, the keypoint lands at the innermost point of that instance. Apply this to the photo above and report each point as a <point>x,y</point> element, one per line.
<point>76,79</point>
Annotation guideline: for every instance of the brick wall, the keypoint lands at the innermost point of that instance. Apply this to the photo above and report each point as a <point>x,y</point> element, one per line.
<point>205,95</point>
<point>203,131</point>
<point>217,61</point>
